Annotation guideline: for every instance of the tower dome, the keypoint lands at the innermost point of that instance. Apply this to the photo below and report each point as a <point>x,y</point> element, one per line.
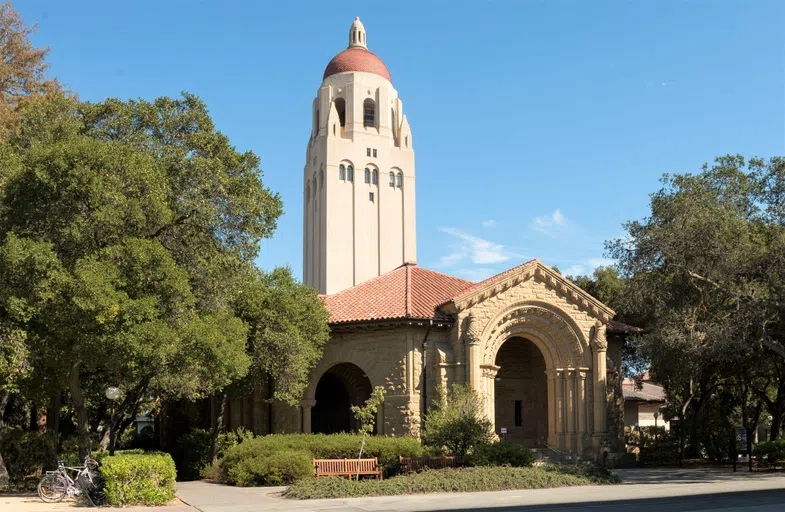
<point>357,57</point>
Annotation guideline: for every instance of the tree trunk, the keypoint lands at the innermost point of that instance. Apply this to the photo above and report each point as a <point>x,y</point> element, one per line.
<point>82,427</point>
<point>218,427</point>
<point>4,476</point>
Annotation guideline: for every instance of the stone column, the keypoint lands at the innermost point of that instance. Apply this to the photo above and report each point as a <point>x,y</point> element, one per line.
<point>307,405</point>
<point>569,395</point>
<point>559,381</point>
<point>551,376</point>
<point>581,399</point>
<point>471,339</point>
<point>489,372</point>
<point>600,347</point>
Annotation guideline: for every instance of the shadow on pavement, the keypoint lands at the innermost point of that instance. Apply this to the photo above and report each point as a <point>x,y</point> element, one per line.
<point>687,476</point>
<point>751,499</point>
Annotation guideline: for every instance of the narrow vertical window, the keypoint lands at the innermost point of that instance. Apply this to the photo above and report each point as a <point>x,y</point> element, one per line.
<point>394,124</point>
<point>341,172</point>
<point>315,184</point>
<point>367,175</point>
<point>400,180</point>
<point>518,413</point>
<point>321,178</point>
<point>392,179</point>
<point>308,192</point>
<point>350,173</point>
<point>367,151</point>
<point>374,153</point>
<point>340,106</point>
<point>375,177</point>
<point>370,196</point>
<point>369,112</point>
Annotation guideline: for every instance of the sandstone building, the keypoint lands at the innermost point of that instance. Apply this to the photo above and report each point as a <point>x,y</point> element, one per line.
<point>543,353</point>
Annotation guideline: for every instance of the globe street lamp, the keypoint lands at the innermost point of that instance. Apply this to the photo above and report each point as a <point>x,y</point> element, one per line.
<point>113,394</point>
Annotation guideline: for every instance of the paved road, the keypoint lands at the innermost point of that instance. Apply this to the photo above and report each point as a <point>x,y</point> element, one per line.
<point>645,490</point>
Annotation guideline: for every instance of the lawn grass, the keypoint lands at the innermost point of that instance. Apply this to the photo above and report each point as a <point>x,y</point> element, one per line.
<point>453,480</point>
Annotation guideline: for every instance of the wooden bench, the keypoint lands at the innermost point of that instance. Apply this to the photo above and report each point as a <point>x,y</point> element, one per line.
<point>411,464</point>
<point>347,467</point>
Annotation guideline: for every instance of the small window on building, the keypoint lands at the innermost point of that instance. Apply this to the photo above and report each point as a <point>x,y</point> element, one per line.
<point>407,141</point>
<point>340,107</point>
<point>315,184</point>
<point>400,180</point>
<point>321,178</point>
<point>367,151</point>
<point>367,175</point>
<point>392,179</point>
<point>350,173</point>
<point>374,153</point>
<point>375,177</point>
<point>518,413</point>
<point>369,112</point>
<point>341,172</point>
<point>308,192</point>
<point>370,196</point>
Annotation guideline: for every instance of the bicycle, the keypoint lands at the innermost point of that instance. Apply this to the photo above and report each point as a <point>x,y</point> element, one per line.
<point>56,485</point>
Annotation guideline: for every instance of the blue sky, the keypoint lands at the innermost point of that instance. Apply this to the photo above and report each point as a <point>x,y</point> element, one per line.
<point>539,127</point>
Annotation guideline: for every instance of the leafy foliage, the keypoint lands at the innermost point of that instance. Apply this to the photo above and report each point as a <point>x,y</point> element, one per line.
<point>456,423</point>
<point>133,479</point>
<point>501,454</point>
<point>279,468</point>
<point>450,480</point>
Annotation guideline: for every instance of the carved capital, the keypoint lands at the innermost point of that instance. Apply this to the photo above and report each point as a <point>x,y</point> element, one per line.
<point>598,341</point>
<point>472,330</point>
<point>307,404</point>
<point>489,371</point>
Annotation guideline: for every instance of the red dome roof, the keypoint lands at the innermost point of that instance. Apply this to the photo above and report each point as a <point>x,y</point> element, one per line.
<point>357,59</point>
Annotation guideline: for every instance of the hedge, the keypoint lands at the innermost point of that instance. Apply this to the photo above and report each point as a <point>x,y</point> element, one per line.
<point>501,454</point>
<point>451,480</point>
<point>139,479</point>
<point>772,451</point>
<point>236,467</point>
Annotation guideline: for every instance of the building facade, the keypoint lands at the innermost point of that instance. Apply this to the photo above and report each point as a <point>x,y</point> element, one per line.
<point>543,354</point>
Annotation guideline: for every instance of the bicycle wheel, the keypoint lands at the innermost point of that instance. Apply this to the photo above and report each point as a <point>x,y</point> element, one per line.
<point>52,488</point>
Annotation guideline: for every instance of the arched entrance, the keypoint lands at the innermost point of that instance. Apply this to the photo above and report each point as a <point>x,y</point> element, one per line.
<point>521,393</point>
<point>339,388</point>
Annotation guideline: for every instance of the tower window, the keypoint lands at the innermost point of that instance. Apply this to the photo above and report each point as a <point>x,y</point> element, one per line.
<point>392,179</point>
<point>370,196</point>
<point>400,180</point>
<point>340,106</point>
<point>518,413</point>
<point>315,185</point>
<point>367,175</point>
<point>350,173</point>
<point>308,192</point>
<point>374,153</point>
<point>369,112</point>
<point>375,177</point>
<point>341,172</point>
<point>367,151</point>
<point>394,124</point>
<point>321,178</point>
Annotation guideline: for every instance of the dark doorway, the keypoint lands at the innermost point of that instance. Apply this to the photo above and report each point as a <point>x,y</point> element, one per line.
<point>341,387</point>
<point>521,392</point>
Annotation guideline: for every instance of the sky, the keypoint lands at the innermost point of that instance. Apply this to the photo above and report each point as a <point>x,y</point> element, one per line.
<point>539,127</point>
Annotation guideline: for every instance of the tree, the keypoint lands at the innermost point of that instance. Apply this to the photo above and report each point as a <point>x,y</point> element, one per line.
<point>707,271</point>
<point>151,214</point>
<point>457,422</point>
<point>366,415</point>
<point>23,71</point>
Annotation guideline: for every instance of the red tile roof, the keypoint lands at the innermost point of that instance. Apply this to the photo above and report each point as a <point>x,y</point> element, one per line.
<point>357,59</point>
<point>648,392</point>
<point>408,291</point>
<point>614,327</point>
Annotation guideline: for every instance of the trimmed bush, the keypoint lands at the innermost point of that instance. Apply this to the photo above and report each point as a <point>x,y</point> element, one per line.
<point>446,480</point>
<point>139,479</point>
<point>771,451</point>
<point>456,424</point>
<point>319,446</point>
<point>279,468</point>
<point>501,454</point>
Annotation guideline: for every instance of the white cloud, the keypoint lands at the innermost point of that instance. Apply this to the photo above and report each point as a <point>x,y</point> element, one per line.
<point>479,250</point>
<point>551,224</point>
<point>575,270</point>
<point>489,224</point>
<point>452,258</point>
<point>600,262</point>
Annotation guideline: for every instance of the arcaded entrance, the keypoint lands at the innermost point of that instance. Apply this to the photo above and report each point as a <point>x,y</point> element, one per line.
<point>341,387</point>
<point>521,393</point>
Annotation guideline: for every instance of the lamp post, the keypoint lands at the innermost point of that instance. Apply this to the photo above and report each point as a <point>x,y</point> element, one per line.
<point>771,426</point>
<point>112,393</point>
<point>656,415</point>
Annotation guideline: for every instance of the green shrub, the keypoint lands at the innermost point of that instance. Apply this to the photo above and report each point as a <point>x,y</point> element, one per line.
<point>280,468</point>
<point>139,479</point>
<point>771,451</point>
<point>456,424</point>
<point>26,454</point>
<point>447,480</point>
<point>501,454</point>
<point>319,446</point>
<point>192,451</point>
